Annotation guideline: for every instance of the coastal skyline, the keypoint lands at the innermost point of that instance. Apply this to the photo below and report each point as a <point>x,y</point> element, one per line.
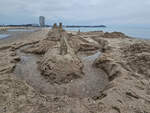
<point>85,12</point>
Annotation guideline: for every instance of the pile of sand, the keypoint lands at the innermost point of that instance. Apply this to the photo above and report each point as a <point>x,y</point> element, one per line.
<point>114,35</point>
<point>138,58</point>
<point>60,68</point>
<point>127,67</point>
<point>41,47</point>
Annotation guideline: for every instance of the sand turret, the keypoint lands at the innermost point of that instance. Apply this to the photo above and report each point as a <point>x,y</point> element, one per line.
<point>54,26</point>
<point>60,26</point>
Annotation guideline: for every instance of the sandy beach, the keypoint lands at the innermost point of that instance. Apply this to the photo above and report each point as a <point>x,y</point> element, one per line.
<point>58,71</point>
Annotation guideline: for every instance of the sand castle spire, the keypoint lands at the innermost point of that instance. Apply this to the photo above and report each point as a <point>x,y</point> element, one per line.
<point>60,26</point>
<point>54,26</point>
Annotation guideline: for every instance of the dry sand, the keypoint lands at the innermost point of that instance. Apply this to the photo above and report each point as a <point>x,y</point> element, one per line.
<point>93,72</point>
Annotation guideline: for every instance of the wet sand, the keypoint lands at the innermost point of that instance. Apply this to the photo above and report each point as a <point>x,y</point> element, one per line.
<point>15,36</point>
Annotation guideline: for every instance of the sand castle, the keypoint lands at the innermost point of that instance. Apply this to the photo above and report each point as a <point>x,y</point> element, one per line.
<point>86,72</point>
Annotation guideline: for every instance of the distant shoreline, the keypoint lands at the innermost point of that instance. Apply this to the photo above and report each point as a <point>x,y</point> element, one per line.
<point>67,26</point>
<point>79,26</point>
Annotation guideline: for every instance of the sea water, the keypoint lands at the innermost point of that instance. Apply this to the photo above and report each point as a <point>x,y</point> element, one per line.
<point>136,32</point>
<point>21,30</point>
<point>3,36</point>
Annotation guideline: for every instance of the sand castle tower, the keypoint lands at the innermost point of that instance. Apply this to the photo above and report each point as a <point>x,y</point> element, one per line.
<point>54,26</point>
<point>60,26</point>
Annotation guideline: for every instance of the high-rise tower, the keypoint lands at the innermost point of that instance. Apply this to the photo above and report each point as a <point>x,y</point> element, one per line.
<point>42,21</point>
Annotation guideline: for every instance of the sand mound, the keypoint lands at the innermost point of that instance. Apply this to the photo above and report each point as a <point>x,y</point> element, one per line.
<point>125,67</point>
<point>80,44</point>
<point>60,69</point>
<point>137,48</point>
<point>50,41</point>
<point>75,43</point>
<point>114,35</point>
<point>138,58</point>
<point>140,64</point>
<point>41,47</point>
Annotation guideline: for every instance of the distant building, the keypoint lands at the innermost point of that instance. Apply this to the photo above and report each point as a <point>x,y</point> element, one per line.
<point>42,21</point>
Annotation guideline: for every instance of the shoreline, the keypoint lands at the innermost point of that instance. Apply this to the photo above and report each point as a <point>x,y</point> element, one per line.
<point>15,35</point>
<point>133,35</point>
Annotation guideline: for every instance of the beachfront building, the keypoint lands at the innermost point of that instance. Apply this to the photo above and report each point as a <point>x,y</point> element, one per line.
<point>42,21</point>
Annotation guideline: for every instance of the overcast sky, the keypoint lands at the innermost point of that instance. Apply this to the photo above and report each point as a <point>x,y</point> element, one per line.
<point>85,12</point>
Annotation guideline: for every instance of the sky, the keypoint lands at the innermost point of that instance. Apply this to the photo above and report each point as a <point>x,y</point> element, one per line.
<point>83,12</point>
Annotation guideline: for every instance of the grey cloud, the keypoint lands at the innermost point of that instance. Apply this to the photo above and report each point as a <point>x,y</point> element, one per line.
<point>75,11</point>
